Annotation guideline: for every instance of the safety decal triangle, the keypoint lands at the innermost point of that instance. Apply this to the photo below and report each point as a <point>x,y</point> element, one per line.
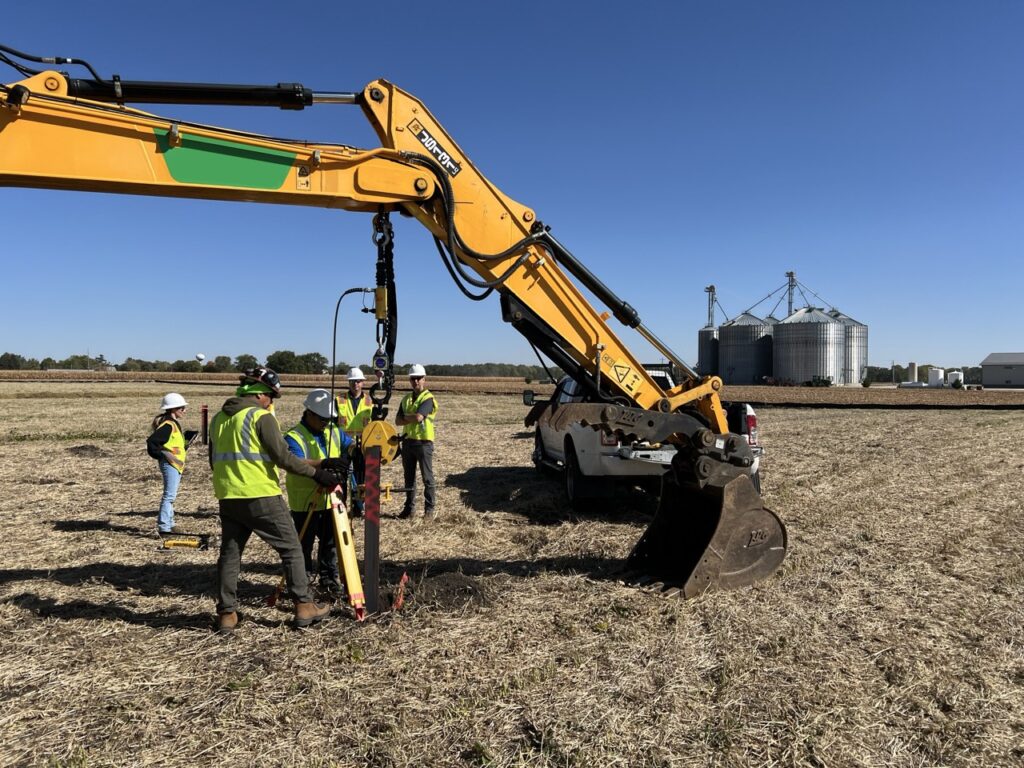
<point>621,372</point>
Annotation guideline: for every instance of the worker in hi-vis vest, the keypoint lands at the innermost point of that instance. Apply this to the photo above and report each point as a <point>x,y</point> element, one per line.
<point>246,449</point>
<point>316,437</point>
<point>416,416</point>
<point>354,411</point>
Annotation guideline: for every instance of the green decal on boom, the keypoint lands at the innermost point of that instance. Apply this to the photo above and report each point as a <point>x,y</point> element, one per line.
<point>201,160</point>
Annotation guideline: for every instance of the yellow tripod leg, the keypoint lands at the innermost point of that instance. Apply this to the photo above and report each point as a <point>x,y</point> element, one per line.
<point>347,554</point>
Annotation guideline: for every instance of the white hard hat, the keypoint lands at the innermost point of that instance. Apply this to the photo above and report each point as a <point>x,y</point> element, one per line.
<point>356,374</point>
<point>417,370</point>
<point>171,401</point>
<point>320,402</point>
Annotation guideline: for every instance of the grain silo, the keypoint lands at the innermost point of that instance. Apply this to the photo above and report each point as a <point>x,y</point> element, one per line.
<point>855,348</point>
<point>707,351</point>
<point>809,344</point>
<point>745,350</point>
<point>707,339</point>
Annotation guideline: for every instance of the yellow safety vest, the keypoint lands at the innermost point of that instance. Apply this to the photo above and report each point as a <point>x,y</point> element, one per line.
<point>302,490</point>
<point>241,467</point>
<point>423,430</point>
<point>175,445</point>
<point>354,421</point>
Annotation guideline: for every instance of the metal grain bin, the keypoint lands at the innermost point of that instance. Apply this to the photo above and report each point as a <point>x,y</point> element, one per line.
<point>809,343</point>
<point>707,351</point>
<point>855,348</point>
<point>745,350</point>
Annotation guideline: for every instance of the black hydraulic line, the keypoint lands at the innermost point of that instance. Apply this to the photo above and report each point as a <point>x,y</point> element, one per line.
<point>45,60</point>
<point>543,365</point>
<point>21,68</point>
<point>455,278</point>
<point>455,241</point>
<point>334,339</point>
<point>489,284</point>
<point>623,311</point>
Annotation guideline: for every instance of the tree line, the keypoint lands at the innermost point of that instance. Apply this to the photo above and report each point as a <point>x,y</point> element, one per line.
<point>282,361</point>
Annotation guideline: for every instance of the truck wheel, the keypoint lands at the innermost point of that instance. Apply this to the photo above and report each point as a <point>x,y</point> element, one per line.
<point>578,487</point>
<point>540,456</point>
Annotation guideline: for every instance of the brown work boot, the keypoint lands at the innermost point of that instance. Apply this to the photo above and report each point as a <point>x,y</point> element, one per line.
<point>226,623</point>
<point>310,613</point>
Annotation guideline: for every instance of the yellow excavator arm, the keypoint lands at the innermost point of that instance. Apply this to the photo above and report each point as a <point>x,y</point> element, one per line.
<point>62,133</point>
<point>54,139</point>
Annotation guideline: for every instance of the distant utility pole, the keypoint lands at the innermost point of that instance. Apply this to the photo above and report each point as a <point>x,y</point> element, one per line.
<point>893,371</point>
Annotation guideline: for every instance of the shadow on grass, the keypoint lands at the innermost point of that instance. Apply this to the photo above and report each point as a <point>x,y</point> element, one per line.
<point>444,583</point>
<point>421,571</point>
<point>540,498</point>
<point>49,608</point>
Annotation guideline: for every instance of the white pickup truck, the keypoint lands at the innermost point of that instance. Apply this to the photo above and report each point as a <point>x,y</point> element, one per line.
<point>591,458</point>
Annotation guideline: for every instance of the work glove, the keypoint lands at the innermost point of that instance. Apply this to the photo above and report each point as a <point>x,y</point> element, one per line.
<point>338,466</point>
<point>327,479</point>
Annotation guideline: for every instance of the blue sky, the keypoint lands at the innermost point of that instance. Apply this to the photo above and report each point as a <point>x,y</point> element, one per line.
<point>875,148</point>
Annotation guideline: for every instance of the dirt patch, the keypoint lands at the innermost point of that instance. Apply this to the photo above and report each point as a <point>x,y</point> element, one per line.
<point>87,451</point>
<point>451,590</point>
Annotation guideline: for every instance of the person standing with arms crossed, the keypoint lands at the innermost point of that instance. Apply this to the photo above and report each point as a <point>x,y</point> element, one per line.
<point>354,411</point>
<point>319,442</point>
<point>246,448</point>
<point>416,416</point>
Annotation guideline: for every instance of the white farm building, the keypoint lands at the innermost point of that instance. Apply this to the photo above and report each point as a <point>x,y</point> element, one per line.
<point>1003,369</point>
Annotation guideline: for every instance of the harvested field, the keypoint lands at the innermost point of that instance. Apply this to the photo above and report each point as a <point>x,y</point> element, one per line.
<point>891,636</point>
<point>877,397</point>
<point>484,385</point>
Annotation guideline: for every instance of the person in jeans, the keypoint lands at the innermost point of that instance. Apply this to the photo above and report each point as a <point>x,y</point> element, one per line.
<point>416,416</point>
<point>246,449</point>
<point>168,444</point>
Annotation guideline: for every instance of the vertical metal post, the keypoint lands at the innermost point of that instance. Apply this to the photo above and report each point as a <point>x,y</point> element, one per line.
<point>204,414</point>
<point>710,291</point>
<point>371,529</point>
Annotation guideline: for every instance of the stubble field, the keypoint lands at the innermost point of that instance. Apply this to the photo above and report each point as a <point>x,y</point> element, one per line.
<point>891,636</point>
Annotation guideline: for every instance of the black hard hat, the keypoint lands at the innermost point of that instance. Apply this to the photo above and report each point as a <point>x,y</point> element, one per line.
<point>262,375</point>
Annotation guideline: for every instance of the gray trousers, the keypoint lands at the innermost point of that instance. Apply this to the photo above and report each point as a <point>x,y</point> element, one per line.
<point>268,518</point>
<point>418,454</point>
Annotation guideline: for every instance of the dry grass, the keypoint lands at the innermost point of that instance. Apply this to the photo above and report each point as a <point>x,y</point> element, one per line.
<point>891,636</point>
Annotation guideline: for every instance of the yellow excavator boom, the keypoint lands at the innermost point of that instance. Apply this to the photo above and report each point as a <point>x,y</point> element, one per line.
<point>62,133</point>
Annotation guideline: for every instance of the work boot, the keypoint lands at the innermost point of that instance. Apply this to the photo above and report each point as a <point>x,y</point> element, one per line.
<point>430,514</point>
<point>407,514</point>
<point>310,613</point>
<point>226,623</point>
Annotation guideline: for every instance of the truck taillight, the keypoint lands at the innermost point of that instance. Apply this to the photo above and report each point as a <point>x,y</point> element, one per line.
<point>751,429</point>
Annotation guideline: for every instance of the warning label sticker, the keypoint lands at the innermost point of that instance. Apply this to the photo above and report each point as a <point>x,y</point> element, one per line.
<point>626,375</point>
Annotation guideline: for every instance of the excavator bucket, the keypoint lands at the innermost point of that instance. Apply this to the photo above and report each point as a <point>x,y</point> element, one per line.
<point>718,537</point>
